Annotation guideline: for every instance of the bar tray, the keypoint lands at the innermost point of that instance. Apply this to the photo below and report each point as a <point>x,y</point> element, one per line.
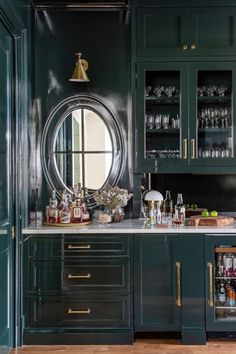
<point>71,224</point>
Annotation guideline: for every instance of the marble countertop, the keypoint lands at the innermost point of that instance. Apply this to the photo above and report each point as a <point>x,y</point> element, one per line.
<point>132,226</point>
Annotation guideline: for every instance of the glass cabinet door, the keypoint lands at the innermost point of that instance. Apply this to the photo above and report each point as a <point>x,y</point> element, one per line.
<point>225,283</point>
<point>221,282</point>
<point>212,130</point>
<point>161,119</point>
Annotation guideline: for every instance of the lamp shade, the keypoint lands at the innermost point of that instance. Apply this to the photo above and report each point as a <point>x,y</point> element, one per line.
<point>153,195</point>
<point>79,73</point>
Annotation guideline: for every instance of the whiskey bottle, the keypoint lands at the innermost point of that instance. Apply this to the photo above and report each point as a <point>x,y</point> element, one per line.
<point>179,210</point>
<point>77,209</point>
<point>51,209</point>
<point>168,204</point>
<point>64,211</point>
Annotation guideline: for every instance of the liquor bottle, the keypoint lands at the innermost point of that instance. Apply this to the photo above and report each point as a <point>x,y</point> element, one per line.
<point>234,265</point>
<point>228,264</point>
<point>219,265</point>
<point>77,209</point>
<point>64,211</point>
<point>168,204</point>
<point>51,209</point>
<point>221,294</point>
<point>179,210</point>
<point>85,213</point>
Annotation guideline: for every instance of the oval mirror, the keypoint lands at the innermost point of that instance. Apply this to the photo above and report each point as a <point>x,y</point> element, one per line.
<point>82,143</point>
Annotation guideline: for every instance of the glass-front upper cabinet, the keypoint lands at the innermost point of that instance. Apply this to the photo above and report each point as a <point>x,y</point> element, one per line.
<point>212,91</point>
<point>221,282</point>
<point>185,117</point>
<point>161,136</point>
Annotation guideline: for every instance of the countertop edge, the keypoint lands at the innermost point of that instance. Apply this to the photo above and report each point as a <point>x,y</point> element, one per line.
<point>135,226</point>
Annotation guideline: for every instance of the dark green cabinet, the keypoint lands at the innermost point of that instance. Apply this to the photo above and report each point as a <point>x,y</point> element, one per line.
<point>185,31</point>
<point>220,282</point>
<point>79,282</point>
<point>157,282</point>
<point>184,117</point>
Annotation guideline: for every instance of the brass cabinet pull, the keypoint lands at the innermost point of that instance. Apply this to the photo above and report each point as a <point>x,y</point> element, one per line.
<point>210,267</point>
<point>79,247</point>
<point>193,46</point>
<point>185,47</point>
<point>79,276</point>
<point>193,155</point>
<point>79,311</point>
<point>178,270</point>
<point>185,149</point>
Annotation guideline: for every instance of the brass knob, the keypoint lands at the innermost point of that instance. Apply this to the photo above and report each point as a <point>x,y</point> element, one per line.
<point>185,47</point>
<point>193,46</point>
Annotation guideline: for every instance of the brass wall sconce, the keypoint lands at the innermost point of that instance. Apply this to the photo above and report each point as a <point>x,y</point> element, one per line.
<point>79,73</point>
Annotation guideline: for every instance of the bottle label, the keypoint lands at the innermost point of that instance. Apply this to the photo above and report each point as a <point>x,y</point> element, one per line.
<point>222,298</point>
<point>52,215</point>
<point>77,214</point>
<point>65,217</point>
<point>228,263</point>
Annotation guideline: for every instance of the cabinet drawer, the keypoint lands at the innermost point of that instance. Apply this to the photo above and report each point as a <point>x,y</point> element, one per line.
<point>105,276</point>
<point>96,246</point>
<point>64,312</point>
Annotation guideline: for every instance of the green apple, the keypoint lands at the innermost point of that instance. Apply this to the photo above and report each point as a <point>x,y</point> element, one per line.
<point>187,206</point>
<point>194,206</point>
<point>205,213</point>
<point>213,213</point>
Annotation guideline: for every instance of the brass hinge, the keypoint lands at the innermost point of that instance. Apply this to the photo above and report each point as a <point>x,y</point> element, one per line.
<point>13,232</point>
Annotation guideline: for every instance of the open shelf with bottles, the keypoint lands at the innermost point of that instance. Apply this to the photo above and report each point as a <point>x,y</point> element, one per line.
<point>225,283</point>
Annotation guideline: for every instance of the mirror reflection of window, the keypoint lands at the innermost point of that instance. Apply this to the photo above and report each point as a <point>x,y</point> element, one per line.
<point>84,145</point>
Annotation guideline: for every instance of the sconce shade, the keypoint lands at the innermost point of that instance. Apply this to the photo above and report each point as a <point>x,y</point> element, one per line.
<point>79,73</point>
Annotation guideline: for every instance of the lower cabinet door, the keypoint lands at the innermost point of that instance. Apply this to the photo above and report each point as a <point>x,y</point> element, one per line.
<point>157,282</point>
<point>87,311</point>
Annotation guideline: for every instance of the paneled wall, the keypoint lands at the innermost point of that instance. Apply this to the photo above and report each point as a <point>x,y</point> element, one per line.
<point>103,37</point>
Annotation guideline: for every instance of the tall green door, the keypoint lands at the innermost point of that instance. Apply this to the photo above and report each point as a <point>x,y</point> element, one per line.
<point>6,204</point>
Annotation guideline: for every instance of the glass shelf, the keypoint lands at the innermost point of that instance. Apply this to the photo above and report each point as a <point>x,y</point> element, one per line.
<point>163,131</point>
<point>214,99</point>
<point>162,100</point>
<point>215,130</point>
<point>225,278</point>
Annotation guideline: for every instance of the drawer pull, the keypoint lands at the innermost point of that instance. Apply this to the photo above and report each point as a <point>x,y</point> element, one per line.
<point>79,247</point>
<point>210,268</point>
<point>79,311</point>
<point>178,270</point>
<point>185,149</point>
<point>193,156</point>
<point>79,276</point>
